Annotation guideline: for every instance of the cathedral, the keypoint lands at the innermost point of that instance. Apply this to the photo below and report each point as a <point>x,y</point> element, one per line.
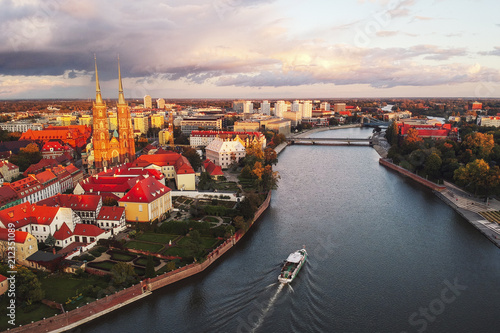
<point>110,149</point>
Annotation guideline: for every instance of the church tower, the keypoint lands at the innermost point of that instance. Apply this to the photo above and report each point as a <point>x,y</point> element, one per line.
<point>125,128</point>
<point>101,133</point>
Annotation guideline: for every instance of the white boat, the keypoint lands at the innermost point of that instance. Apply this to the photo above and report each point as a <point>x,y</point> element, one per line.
<point>292,266</point>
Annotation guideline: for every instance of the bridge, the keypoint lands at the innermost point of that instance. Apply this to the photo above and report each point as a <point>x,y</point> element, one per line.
<point>369,121</point>
<point>366,142</point>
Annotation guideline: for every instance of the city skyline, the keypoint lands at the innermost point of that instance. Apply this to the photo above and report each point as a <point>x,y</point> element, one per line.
<point>250,49</point>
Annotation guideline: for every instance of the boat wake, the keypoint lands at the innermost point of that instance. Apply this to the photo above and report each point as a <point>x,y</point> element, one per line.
<point>268,308</point>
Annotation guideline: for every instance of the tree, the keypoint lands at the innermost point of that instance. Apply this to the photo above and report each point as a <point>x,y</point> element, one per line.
<point>475,175</point>
<point>239,223</point>
<point>193,157</point>
<point>150,267</point>
<point>50,240</point>
<point>391,134</point>
<point>28,288</point>
<point>433,165</point>
<point>480,144</point>
<point>123,274</point>
<point>258,170</point>
<point>270,156</point>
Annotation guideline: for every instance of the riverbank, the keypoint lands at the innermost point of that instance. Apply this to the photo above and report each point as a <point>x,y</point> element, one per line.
<point>100,307</point>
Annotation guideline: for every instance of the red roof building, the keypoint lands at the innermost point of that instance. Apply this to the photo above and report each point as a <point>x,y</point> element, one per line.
<point>215,171</point>
<point>435,130</point>
<point>75,136</point>
<point>28,189</point>
<point>111,217</point>
<point>88,233</point>
<point>148,200</point>
<point>172,165</point>
<point>53,149</point>
<point>87,207</point>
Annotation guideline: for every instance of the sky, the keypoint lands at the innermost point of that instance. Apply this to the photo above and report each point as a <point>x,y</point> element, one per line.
<point>252,49</point>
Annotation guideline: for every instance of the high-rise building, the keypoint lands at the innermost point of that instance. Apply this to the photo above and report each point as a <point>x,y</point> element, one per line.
<point>148,102</point>
<point>160,103</point>
<point>265,108</point>
<point>248,107</point>
<point>158,121</point>
<point>339,107</point>
<point>279,108</point>
<point>325,106</point>
<point>307,109</point>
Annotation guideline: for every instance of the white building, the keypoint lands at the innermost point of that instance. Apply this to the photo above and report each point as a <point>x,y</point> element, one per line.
<point>325,106</point>
<point>20,126</point>
<point>280,107</point>
<point>160,103</point>
<point>225,153</point>
<point>492,121</point>
<point>248,107</point>
<point>148,102</point>
<point>265,108</point>
<point>307,109</point>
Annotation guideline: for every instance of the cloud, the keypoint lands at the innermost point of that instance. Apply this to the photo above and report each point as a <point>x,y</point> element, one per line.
<point>386,33</point>
<point>495,52</point>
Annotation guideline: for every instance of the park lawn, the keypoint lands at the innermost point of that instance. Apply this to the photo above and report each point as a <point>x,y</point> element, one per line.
<point>207,242</point>
<point>122,256</point>
<point>60,288</point>
<point>178,251</point>
<point>104,265</point>
<point>36,312</point>
<point>138,245</point>
<point>156,238</point>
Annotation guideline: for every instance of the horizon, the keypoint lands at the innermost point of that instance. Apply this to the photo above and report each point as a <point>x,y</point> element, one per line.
<point>250,49</point>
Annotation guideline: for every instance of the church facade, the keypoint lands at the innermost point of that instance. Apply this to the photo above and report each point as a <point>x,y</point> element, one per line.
<point>110,149</point>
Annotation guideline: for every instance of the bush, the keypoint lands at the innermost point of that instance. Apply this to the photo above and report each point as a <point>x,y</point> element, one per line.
<point>87,257</point>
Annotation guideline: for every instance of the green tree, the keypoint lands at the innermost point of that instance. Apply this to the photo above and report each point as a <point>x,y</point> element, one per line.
<point>50,240</point>
<point>391,134</point>
<point>433,165</point>
<point>150,267</point>
<point>193,157</point>
<point>28,288</point>
<point>123,274</point>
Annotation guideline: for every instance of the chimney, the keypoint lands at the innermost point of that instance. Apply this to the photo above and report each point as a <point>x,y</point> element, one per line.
<point>53,251</point>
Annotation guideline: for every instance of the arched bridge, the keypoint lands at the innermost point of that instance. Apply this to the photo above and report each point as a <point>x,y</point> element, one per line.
<point>369,121</point>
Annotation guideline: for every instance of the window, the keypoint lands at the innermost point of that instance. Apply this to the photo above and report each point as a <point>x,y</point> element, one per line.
<point>140,208</point>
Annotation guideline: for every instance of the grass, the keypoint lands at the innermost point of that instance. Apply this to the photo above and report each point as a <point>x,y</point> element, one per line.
<point>120,256</point>
<point>104,265</point>
<point>182,249</point>
<point>59,288</point>
<point>138,245</point>
<point>139,270</point>
<point>142,261</point>
<point>26,315</point>
<point>207,242</point>
<point>210,219</point>
<point>156,238</point>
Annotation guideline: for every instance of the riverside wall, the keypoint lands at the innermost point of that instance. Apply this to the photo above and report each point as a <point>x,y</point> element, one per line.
<point>417,178</point>
<point>100,307</point>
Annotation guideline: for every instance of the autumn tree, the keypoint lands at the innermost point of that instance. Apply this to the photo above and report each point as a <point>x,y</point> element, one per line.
<point>411,141</point>
<point>478,176</point>
<point>28,155</point>
<point>270,156</point>
<point>481,145</point>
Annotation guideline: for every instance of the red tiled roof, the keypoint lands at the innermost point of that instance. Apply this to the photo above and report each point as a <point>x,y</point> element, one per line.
<point>87,230</point>
<point>45,177</point>
<point>179,162</point>
<point>26,213</point>
<point>2,278</point>
<point>63,233</point>
<point>19,236</point>
<point>44,163</point>
<point>111,213</point>
<point>7,194</point>
<point>147,190</point>
<point>73,201</point>
<point>212,169</point>
<point>182,166</point>
<point>9,165</point>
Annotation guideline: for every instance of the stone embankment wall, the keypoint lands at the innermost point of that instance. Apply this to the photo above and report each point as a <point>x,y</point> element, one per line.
<point>107,304</point>
<point>417,178</point>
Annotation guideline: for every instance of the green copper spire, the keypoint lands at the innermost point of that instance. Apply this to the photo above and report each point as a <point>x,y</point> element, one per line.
<point>98,97</point>
<point>121,98</point>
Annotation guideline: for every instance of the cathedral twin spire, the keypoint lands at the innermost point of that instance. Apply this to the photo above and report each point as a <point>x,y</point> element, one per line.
<point>98,97</point>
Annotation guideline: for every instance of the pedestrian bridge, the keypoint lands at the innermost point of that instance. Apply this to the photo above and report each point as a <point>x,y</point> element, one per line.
<point>367,142</point>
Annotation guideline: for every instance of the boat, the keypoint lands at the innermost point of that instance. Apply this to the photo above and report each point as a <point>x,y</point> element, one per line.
<point>292,266</point>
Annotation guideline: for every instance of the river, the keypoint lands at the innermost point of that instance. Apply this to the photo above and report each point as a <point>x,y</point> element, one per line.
<point>385,255</point>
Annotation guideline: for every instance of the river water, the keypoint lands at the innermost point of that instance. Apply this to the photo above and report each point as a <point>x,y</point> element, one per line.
<point>385,255</point>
